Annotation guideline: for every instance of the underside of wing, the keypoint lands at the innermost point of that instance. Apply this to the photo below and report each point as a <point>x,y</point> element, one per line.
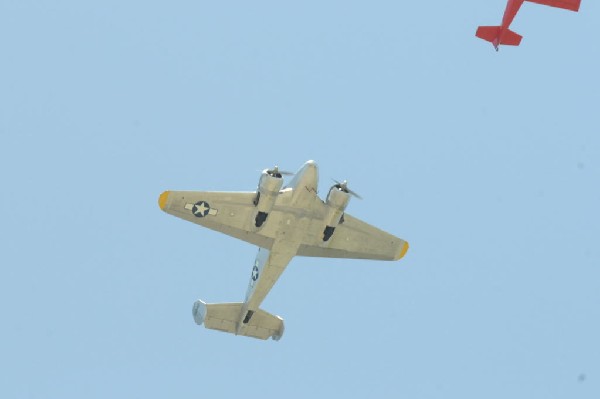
<point>572,5</point>
<point>357,240</point>
<point>231,213</point>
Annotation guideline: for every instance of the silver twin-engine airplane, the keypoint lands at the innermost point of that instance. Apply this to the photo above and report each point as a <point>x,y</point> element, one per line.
<point>283,222</point>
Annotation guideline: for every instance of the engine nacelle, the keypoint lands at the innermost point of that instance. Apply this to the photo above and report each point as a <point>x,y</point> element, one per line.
<point>336,202</point>
<point>266,195</point>
<point>337,198</point>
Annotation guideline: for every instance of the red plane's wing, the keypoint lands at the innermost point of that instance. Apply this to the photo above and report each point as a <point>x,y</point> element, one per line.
<point>572,5</point>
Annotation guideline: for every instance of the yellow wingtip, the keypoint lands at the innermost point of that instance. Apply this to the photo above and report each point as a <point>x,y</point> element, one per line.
<point>403,251</point>
<point>162,200</point>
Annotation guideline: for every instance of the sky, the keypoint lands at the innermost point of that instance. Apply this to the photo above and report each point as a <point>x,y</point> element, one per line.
<point>486,163</point>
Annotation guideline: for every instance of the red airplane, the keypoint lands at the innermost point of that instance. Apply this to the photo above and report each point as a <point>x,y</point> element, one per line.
<point>498,35</point>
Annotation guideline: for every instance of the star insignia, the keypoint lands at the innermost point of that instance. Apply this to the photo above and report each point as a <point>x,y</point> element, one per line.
<point>201,209</point>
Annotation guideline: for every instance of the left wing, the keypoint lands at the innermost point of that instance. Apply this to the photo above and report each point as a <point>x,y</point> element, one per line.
<point>227,212</point>
<point>572,5</point>
<point>357,240</point>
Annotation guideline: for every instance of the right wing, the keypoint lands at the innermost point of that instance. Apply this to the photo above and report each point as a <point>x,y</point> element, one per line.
<point>227,212</point>
<point>357,240</point>
<point>572,5</point>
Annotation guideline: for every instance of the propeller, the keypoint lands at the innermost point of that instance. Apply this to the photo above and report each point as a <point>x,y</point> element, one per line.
<point>343,186</point>
<point>275,172</point>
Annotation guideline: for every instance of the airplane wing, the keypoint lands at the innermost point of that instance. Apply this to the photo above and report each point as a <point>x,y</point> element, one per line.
<point>572,5</point>
<point>357,240</point>
<point>232,213</point>
<point>227,212</point>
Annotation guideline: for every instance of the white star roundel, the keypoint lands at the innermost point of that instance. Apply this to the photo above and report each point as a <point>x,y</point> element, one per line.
<point>201,209</point>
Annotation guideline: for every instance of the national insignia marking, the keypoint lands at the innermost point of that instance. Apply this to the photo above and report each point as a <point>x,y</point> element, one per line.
<point>201,208</point>
<point>254,276</point>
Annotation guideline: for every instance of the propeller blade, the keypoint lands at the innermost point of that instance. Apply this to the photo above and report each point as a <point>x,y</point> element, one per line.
<point>344,187</point>
<point>276,172</point>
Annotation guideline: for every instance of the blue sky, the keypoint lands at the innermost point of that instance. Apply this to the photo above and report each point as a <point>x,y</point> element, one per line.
<point>487,163</point>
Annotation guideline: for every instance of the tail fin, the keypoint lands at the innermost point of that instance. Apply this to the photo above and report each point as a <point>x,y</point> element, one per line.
<point>226,317</point>
<point>496,35</point>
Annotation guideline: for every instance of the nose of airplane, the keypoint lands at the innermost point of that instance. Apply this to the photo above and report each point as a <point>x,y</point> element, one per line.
<point>310,174</point>
<point>309,166</point>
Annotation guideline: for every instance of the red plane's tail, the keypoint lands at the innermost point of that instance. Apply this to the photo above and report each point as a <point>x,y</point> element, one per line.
<point>497,36</point>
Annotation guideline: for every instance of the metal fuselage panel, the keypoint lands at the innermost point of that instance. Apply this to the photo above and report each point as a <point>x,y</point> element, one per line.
<point>288,228</point>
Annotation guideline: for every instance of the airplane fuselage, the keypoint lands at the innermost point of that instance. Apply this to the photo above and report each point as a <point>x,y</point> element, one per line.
<point>270,264</point>
<point>512,8</point>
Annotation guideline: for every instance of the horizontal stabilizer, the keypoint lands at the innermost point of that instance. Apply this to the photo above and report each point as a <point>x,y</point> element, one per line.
<point>488,33</point>
<point>496,35</point>
<point>510,38</point>
<point>226,317</point>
